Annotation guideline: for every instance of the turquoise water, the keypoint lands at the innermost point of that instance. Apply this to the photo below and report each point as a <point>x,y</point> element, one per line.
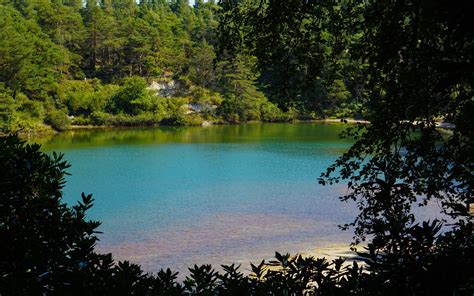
<point>172,197</point>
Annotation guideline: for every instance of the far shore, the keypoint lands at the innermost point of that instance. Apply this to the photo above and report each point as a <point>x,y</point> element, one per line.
<point>443,126</point>
<point>336,121</point>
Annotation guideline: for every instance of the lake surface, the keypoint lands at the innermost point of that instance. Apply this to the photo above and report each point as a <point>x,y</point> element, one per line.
<point>172,197</point>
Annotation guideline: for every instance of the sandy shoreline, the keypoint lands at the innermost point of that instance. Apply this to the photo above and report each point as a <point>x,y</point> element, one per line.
<point>331,252</point>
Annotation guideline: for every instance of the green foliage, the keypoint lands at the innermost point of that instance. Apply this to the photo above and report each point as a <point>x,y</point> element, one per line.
<point>132,97</point>
<point>107,119</point>
<point>205,97</point>
<point>6,106</point>
<point>70,57</point>
<point>26,114</point>
<point>269,112</point>
<point>83,97</point>
<point>336,97</point>
<point>30,61</point>
<point>58,119</point>
<point>202,67</point>
<point>47,247</point>
<point>299,49</point>
<point>243,101</point>
<point>66,56</point>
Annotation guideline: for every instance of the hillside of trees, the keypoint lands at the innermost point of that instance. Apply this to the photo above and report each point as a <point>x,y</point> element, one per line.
<point>67,62</point>
<point>91,63</point>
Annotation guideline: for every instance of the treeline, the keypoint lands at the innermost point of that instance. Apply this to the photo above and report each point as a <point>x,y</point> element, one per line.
<point>66,62</point>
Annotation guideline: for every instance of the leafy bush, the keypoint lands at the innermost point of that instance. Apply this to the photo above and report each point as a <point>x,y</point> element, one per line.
<point>58,119</point>
<point>271,113</point>
<point>26,115</point>
<point>177,118</point>
<point>101,118</point>
<point>47,247</point>
<point>236,110</point>
<point>133,97</point>
<point>82,120</point>
<point>142,119</point>
<point>83,97</point>
<point>193,119</point>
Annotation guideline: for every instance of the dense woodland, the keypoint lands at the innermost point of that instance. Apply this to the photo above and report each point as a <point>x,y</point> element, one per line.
<point>91,63</point>
<point>416,61</point>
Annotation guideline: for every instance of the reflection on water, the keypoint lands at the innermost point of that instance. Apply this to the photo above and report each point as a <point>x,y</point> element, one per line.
<point>253,133</point>
<point>172,197</point>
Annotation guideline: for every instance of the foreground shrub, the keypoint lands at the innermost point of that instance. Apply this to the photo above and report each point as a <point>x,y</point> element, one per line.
<point>46,246</point>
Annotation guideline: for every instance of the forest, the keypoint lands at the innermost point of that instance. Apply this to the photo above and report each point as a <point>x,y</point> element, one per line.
<point>402,65</point>
<point>127,63</point>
